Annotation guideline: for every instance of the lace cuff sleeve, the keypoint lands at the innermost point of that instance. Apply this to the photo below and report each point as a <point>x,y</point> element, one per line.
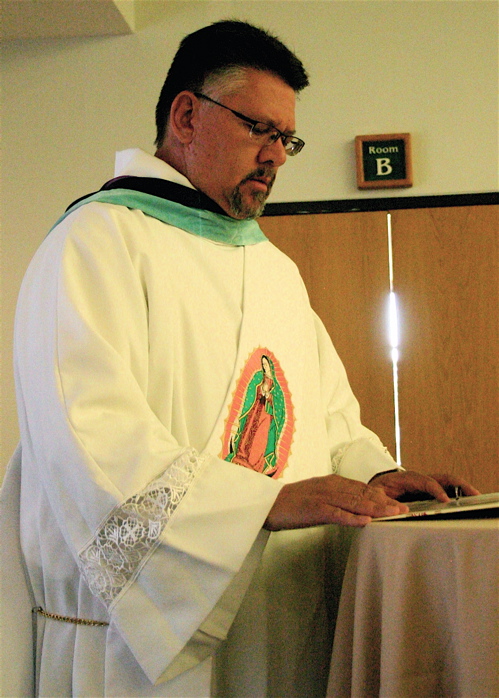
<point>131,532</point>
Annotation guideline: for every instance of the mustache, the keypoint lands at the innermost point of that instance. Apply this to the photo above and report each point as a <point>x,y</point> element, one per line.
<point>261,172</point>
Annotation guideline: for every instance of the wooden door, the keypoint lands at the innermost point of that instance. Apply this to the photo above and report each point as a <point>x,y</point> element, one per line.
<point>447,279</point>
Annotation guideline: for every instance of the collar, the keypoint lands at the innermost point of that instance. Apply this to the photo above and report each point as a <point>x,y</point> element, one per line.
<point>183,207</point>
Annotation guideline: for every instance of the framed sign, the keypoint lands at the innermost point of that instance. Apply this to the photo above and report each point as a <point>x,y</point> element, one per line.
<point>384,161</point>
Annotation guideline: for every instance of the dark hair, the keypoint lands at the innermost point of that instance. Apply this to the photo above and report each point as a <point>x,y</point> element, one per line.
<point>217,47</point>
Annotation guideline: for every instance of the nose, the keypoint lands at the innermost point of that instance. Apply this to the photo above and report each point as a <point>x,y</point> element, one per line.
<point>273,153</point>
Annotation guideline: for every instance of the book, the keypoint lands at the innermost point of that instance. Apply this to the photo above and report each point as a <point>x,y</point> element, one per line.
<point>461,507</point>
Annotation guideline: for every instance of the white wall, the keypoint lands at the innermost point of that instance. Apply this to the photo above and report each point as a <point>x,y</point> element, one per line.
<point>377,66</point>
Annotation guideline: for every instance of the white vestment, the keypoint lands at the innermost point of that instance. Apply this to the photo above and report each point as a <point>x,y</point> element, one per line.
<point>134,347</point>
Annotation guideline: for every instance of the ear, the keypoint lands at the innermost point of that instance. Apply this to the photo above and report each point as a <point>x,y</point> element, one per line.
<point>181,116</point>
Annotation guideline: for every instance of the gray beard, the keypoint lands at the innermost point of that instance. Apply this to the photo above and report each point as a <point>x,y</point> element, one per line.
<point>244,212</point>
<point>255,209</point>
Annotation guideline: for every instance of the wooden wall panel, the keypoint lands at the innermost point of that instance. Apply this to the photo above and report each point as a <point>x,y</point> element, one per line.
<point>343,258</point>
<point>447,279</point>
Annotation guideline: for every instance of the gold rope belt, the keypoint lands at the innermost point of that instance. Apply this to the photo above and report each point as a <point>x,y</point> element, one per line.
<point>67,619</point>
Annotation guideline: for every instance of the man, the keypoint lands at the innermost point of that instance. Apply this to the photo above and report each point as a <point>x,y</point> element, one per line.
<point>178,400</point>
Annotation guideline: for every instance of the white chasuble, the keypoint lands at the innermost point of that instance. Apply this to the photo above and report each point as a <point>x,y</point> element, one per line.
<point>168,386</point>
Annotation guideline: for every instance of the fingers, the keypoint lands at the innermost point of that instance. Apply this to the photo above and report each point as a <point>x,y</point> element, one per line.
<point>428,484</point>
<point>453,481</point>
<point>335,499</point>
<point>358,498</point>
<point>400,484</point>
<point>346,518</point>
<point>468,489</point>
<point>329,499</point>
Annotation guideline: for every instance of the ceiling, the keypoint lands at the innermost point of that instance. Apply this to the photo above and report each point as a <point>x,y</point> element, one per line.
<point>35,19</point>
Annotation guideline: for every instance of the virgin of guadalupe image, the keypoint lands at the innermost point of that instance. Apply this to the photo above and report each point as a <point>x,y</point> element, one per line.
<point>256,433</point>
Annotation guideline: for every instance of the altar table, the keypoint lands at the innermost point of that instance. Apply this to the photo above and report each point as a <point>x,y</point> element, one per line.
<point>418,613</point>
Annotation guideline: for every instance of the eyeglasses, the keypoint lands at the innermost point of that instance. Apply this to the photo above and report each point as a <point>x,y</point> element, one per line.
<point>265,134</point>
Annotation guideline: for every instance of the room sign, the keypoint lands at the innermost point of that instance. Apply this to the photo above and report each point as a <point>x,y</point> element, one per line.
<point>383,161</point>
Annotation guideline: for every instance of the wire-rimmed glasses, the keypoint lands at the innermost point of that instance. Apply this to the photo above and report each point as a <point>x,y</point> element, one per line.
<point>260,132</point>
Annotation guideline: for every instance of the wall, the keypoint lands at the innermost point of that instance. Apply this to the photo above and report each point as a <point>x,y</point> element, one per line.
<point>376,66</point>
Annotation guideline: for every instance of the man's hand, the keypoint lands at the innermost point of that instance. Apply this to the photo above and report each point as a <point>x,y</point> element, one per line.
<point>327,500</point>
<point>399,483</point>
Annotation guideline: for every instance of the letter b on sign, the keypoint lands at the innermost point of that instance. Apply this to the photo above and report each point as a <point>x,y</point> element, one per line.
<point>383,166</point>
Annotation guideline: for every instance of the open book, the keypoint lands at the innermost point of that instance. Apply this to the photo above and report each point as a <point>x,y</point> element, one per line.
<point>462,507</point>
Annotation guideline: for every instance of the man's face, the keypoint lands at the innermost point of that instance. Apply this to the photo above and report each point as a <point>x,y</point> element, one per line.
<point>223,160</point>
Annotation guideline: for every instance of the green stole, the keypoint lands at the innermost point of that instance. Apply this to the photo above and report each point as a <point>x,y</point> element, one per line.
<point>186,215</point>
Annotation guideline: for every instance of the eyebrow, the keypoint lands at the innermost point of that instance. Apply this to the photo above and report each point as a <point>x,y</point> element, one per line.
<point>271,123</point>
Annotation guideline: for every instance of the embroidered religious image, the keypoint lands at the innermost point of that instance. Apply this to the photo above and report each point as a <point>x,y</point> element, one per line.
<point>259,429</point>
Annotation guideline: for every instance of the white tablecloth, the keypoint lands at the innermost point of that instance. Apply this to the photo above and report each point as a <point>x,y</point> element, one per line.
<point>419,611</point>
